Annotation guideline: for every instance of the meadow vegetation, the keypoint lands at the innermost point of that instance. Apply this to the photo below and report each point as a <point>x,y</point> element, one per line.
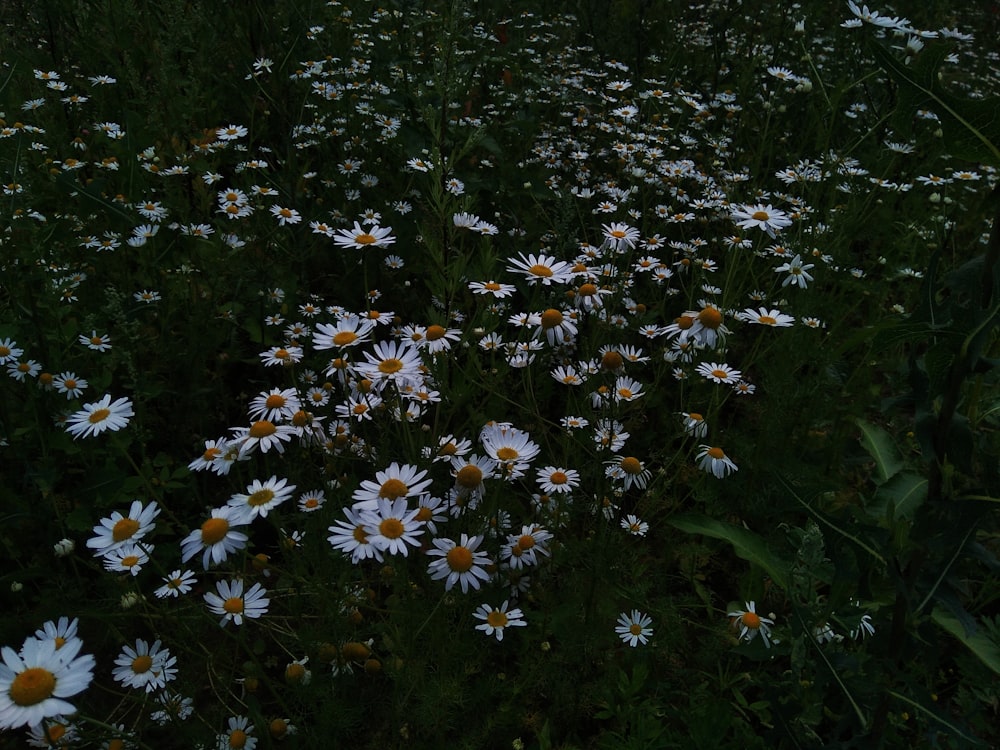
<point>595,375</point>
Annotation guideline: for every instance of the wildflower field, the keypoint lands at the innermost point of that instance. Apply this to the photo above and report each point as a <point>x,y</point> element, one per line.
<point>477,374</point>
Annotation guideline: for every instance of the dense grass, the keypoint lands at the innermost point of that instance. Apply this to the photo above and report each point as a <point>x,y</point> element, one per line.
<point>668,332</point>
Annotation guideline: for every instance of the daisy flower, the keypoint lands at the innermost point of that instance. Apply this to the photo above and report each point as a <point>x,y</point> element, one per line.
<point>715,461</point>
<point>281,355</point>
<point>393,483</point>
<point>217,537</point>
<point>391,360</point>
<point>60,631</point>
<point>634,628</point>
<point>557,328</point>
<point>627,389</point>
<point>99,416</point>
<point>555,480</point>
<point>262,497</point>
<point>718,373</point>
<point>469,474</point>
<point>128,559</point>
<point>619,237</point>
<point>634,525</point>
<point>459,562</point>
<point>512,448</point>
<point>796,271</point>
<point>694,424</point>
<point>118,530</point>
<point>275,405</point>
<point>70,384</point>
<point>263,434</point>
<point>285,215</point>
<point>54,732</point>
<point>350,537</point>
<point>763,316</point>
<point>628,470</point>
<point>751,624</point>
<point>360,237</point>
<point>392,525</point>
<point>99,343</point>
<point>497,619</point>
<point>175,708</point>
<point>766,218</point>
<point>541,268</point>
<point>9,351</point>
<point>311,501</point>
<point>35,681</point>
<point>348,331</point>
<point>234,604</point>
<point>177,583</point>
<point>240,734</point>
<point>498,290</point>
<point>145,667</point>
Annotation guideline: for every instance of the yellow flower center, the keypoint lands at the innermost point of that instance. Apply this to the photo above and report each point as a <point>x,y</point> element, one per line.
<point>469,476</point>
<point>612,360</point>
<point>99,416</point>
<point>710,317</point>
<point>278,728</point>
<point>393,489</point>
<point>631,465</point>
<point>262,429</point>
<point>767,320</point>
<point>721,374</point>
<point>4,351</point>
<point>751,620</point>
<point>496,619</point>
<point>275,401</point>
<point>716,453</point>
<point>491,286</point>
<point>695,416</point>
<point>124,529</point>
<point>260,497</point>
<point>359,535</point>
<point>96,340</point>
<point>211,454</point>
<point>389,366</point>
<point>635,628</point>
<point>214,530</point>
<point>344,338</point>
<point>32,686</point>
<point>526,541</point>
<point>459,559</point>
<point>435,332</point>
<point>540,270</point>
<point>617,234</point>
<point>684,322</point>
<point>587,290</point>
<point>141,664</point>
<point>507,454</point>
<point>365,239</point>
<point>760,216</point>
<point>625,393</point>
<point>391,528</point>
<point>233,605</point>
<point>551,318</point>
<point>237,739</point>
<point>295,672</point>
<point>129,560</point>
<point>558,477</point>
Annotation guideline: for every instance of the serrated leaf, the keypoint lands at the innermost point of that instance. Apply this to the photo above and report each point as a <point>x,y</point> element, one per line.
<point>970,127</point>
<point>986,649</point>
<point>746,544</point>
<point>905,492</point>
<point>880,447</point>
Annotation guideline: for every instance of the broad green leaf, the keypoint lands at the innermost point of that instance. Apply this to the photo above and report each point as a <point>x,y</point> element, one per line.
<point>970,127</point>
<point>979,643</point>
<point>747,544</point>
<point>905,492</point>
<point>880,447</point>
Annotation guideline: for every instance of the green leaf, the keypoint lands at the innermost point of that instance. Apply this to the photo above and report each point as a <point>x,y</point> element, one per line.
<point>987,650</point>
<point>904,493</point>
<point>880,447</point>
<point>970,127</point>
<point>747,544</point>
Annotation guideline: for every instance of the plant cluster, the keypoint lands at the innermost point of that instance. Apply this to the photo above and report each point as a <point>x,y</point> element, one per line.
<point>428,376</point>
